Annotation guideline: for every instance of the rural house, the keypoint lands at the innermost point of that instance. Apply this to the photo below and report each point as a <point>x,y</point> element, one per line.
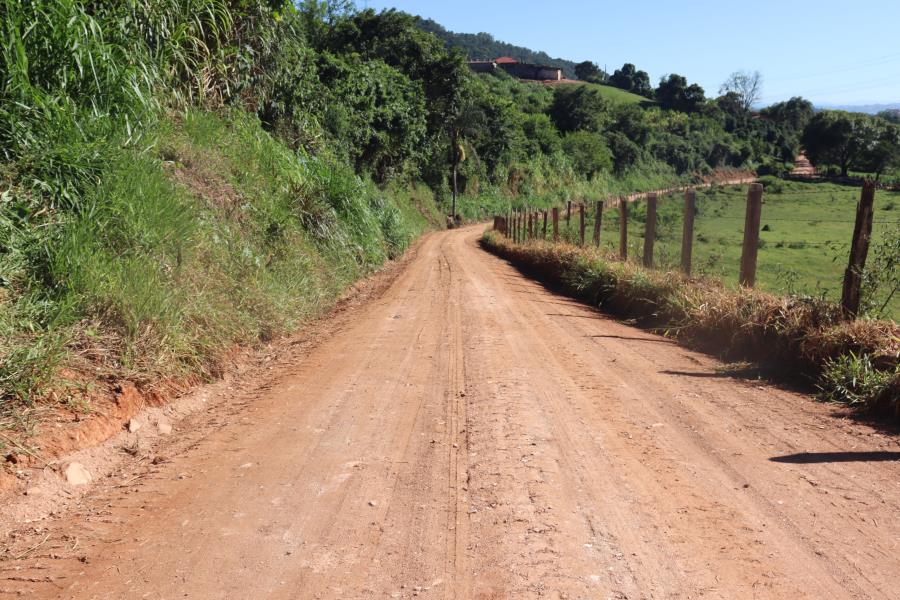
<point>518,69</point>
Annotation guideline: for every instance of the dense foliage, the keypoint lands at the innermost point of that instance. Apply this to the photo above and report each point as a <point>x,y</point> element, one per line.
<point>853,141</point>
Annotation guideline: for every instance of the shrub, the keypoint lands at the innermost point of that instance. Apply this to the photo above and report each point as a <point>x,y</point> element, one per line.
<point>772,184</point>
<point>853,379</point>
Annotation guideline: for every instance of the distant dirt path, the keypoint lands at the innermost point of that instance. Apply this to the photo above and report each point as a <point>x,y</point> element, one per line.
<point>471,435</point>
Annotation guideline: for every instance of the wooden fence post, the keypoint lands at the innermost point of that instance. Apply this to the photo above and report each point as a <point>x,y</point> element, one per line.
<point>581,223</point>
<point>687,235</point>
<point>650,230</point>
<point>568,213</point>
<point>544,236</point>
<point>555,224</point>
<point>623,228</point>
<point>530,225</point>
<point>859,250</point>
<point>598,221</point>
<point>751,235</point>
<point>516,226</point>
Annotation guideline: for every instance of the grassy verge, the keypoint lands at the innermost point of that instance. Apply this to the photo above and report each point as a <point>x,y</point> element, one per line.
<point>855,363</point>
<point>218,235</point>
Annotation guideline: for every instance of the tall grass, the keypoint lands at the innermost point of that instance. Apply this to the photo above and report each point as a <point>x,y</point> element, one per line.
<point>220,235</point>
<point>140,234</point>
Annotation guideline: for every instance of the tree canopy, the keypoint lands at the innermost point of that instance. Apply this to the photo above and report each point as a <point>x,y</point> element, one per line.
<point>674,93</point>
<point>630,79</point>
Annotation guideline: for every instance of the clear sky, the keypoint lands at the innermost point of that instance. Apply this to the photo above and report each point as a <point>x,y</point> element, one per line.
<point>831,52</point>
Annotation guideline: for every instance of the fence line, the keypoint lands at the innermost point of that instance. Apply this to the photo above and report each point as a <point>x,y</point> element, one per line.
<point>522,224</point>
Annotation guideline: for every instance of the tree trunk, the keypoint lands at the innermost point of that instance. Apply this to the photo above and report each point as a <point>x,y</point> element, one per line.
<point>455,192</point>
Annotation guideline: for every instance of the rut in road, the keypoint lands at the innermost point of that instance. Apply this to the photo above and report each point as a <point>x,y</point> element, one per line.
<point>469,434</point>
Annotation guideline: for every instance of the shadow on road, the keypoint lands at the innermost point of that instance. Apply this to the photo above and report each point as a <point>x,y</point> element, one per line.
<point>805,458</point>
<point>703,374</point>
<point>637,339</point>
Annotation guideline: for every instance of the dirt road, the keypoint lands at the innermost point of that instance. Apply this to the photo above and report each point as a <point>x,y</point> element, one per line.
<point>471,435</point>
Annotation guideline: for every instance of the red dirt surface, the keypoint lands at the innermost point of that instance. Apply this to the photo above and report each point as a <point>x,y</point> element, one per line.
<point>469,434</point>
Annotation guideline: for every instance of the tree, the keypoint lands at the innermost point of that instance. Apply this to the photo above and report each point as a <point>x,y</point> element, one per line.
<point>835,137</point>
<point>577,108</point>
<point>542,137</point>
<point>784,123</point>
<point>793,114</point>
<point>674,93</point>
<point>589,71</point>
<point>747,86</point>
<point>625,152</point>
<point>631,80</point>
<point>375,112</point>
<point>589,153</point>
<point>892,115</point>
<point>884,153</point>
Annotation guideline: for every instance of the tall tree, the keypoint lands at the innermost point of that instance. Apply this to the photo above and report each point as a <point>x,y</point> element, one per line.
<point>747,86</point>
<point>835,137</point>
<point>579,107</point>
<point>589,71</point>
<point>674,93</point>
<point>630,79</point>
<point>793,114</point>
<point>884,153</point>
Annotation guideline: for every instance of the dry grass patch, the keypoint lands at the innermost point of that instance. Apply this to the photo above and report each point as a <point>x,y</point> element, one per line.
<point>850,362</point>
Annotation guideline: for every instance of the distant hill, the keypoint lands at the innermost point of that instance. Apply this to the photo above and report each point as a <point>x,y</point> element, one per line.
<point>871,109</point>
<point>483,46</point>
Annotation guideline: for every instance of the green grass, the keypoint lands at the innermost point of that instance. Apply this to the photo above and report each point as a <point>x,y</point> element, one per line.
<point>217,235</point>
<point>617,96</point>
<point>807,229</point>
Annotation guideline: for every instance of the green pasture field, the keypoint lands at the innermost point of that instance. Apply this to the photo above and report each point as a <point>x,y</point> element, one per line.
<point>617,96</point>
<point>804,244</point>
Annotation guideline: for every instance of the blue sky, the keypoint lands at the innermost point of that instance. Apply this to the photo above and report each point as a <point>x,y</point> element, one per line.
<point>829,52</point>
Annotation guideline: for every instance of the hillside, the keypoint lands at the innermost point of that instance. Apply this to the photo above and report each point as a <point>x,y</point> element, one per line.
<point>617,96</point>
<point>483,46</point>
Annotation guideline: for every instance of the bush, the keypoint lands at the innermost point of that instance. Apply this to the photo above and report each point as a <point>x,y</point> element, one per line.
<point>853,379</point>
<point>771,184</point>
